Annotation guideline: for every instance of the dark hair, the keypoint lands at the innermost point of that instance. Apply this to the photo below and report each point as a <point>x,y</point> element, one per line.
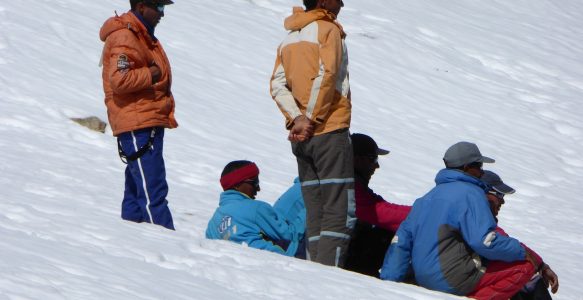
<point>310,4</point>
<point>234,165</point>
<point>475,164</point>
<point>133,3</point>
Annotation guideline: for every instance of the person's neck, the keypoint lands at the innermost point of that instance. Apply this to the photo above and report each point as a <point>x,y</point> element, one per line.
<point>149,27</point>
<point>361,178</point>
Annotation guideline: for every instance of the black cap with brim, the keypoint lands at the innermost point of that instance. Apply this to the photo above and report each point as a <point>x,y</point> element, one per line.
<point>363,144</point>
<point>156,2</point>
<point>163,2</point>
<point>382,151</point>
<point>493,180</point>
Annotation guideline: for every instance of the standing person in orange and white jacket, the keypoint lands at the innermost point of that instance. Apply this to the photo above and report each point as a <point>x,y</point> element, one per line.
<point>310,86</point>
<point>136,82</point>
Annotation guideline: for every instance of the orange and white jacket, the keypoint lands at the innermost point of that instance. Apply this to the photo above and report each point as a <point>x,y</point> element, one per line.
<point>310,76</point>
<point>132,101</point>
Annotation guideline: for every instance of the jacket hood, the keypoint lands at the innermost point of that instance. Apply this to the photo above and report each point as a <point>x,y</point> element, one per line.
<point>451,175</point>
<point>300,18</point>
<point>113,24</point>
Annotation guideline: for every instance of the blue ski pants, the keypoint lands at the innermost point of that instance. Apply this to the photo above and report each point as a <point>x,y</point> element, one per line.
<point>145,179</point>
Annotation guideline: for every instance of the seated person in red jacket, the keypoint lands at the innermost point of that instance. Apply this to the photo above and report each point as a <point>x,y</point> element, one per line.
<point>537,287</point>
<point>377,219</point>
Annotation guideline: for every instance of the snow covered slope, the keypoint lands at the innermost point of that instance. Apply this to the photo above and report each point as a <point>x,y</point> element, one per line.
<point>507,75</point>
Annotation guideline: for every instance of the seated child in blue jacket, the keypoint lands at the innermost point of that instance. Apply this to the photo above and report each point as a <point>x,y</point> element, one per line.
<point>242,219</point>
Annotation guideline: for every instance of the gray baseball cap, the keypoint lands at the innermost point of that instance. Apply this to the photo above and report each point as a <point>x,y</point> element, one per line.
<point>493,180</point>
<point>463,153</point>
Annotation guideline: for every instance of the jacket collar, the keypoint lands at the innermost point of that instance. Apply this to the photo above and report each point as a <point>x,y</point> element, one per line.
<point>453,175</point>
<point>130,21</point>
<point>149,28</point>
<point>232,195</point>
<point>301,18</point>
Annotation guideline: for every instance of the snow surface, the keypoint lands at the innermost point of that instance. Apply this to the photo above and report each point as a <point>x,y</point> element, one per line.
<point>506,75</point>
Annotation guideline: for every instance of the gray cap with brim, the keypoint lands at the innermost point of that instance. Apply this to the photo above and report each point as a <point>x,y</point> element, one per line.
<point>464,153</point>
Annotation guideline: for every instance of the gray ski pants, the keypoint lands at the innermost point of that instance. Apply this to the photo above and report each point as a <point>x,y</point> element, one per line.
<point>327,176</point>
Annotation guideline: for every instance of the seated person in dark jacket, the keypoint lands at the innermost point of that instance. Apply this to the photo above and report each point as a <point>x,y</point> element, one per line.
<point>242,219</point>
<point>536,288</point>
<point>377,219</point>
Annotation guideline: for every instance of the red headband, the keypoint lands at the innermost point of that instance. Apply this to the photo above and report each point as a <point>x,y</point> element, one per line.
<point>233,178</point>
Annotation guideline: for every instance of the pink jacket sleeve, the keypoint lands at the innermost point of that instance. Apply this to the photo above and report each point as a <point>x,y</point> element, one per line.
<point>374,210</point>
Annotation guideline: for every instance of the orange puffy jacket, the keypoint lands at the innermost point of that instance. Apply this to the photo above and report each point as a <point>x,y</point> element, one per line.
<point>132,101</point>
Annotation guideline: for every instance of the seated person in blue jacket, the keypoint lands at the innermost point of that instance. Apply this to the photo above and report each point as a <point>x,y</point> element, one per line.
<point>242,219</point>
<point>449,238</point>
<point>536,288</point>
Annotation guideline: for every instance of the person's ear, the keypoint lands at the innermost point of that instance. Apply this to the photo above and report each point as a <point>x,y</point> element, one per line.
<point>140,8</point>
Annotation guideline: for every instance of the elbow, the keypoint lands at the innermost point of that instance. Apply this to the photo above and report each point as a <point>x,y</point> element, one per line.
<point>122,87</point>
<point>489,238</point>
<point>130,81</point>
<point>118,85</point>
<point>388,273</point>
<point>117,88</point>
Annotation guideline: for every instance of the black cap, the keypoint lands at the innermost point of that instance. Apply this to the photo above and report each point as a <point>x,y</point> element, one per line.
<point>363,144</point>
<point>493,180</point>
<point>163,2</point>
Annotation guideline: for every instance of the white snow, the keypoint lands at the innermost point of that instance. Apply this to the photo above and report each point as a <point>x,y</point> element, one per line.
<point>506,75</point>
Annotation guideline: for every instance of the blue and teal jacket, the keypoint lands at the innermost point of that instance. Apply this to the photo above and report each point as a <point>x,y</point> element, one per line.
<point>291,205</point>
<point>244,220</point>
<point>447,235</point>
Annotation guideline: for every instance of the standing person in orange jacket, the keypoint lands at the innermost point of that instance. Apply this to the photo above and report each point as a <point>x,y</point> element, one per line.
<point>310,86</point>
<point>136,82</point>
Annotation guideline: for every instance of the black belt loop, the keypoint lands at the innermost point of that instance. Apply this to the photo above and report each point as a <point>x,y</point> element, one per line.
<point>125,158</point>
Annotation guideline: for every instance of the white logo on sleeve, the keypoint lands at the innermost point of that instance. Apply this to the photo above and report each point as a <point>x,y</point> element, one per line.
<point>123,63</point>
<point>225,224</point>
